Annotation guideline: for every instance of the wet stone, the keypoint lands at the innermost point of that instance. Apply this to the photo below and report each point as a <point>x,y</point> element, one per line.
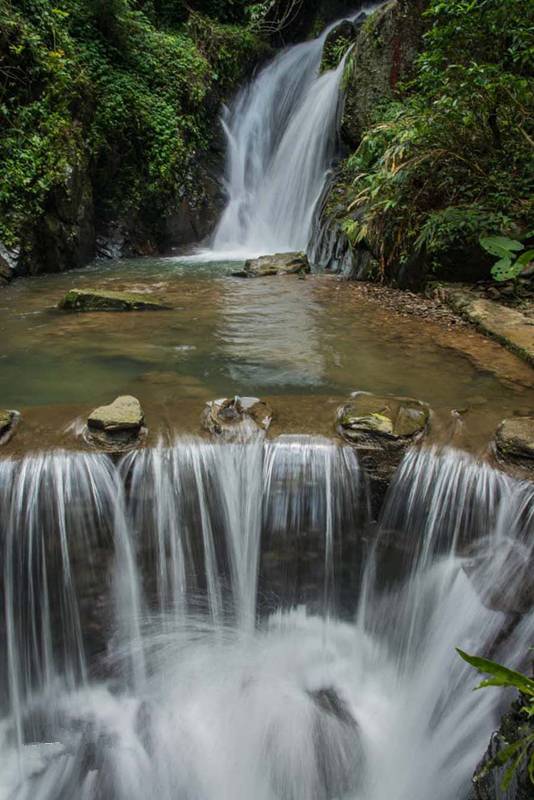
<point>8,422</point>
<point>514,441</point>
<point>381,428</point>
<point>373,421</point>
<point>277,264</point>
<point>237,418</point>
<point>104,300</point>
<point>118,425</point>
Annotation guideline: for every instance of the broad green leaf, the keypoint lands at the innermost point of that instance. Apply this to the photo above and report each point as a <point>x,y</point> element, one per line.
<point>502,676</point>
<point>504,270</point>
<point>512,769</point>
<point>525,258</point>
<point>500,245</point>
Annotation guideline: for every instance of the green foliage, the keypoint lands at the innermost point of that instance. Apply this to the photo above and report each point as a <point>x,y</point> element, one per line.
<point>522,750</point>
<point>510,263</point>
<point>453,159</point>
<point>108,86</point>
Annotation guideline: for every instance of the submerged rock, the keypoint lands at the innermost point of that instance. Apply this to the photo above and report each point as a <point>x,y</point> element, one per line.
<point>8,422</point>
<point>276,264</point>
<point>381,428</point>
<point>237,418</point>
<point>118,425</point>
<point>514,441</point>
<point>107,300</point>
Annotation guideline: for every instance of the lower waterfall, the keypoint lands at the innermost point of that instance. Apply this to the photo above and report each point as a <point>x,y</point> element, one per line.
<point>226,622</point>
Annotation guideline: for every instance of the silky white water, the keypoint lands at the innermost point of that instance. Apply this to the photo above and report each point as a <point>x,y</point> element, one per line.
<point>281,134</point>
<point>221,622</point>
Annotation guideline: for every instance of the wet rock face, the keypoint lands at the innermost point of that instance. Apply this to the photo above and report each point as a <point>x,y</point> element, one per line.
<point>8,422</point>
<point>237,418</point>
<point>384,55</point>
<point>118,425</point>
<point>486,781</point>
<point>104,300</point>
<point>64,236</point>
<point>277,264</point>
<point>338,42</point>
<point>381,428</point>
<point>514,441</point>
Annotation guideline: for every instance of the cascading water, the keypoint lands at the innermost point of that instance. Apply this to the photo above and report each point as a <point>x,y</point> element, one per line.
<point>190,624</point>
<point>281,136</point>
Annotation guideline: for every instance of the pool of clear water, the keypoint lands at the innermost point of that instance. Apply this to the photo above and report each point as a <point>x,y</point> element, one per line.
<point>305,344</point>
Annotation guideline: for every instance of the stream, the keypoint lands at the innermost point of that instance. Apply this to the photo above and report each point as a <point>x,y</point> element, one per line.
<point>198,620</point>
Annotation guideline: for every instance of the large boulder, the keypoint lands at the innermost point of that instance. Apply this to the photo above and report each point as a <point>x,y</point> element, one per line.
<point>107,300</point>
<point>381,428</point>
<point>8,423</point>
<point>514,442</point>
<point>384,56</point>
<point>237,418</point>
<point>117,426</point>
<point>277,264</point>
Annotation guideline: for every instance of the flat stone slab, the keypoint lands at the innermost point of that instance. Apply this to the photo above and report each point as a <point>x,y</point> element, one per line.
<point>104,300</point>
<point>515,438</point>
<point>509,326</point>
<point>123,414</point>
<point>276,264</point>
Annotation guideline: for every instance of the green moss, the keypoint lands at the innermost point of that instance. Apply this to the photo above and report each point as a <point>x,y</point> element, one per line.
<point>109,83</point>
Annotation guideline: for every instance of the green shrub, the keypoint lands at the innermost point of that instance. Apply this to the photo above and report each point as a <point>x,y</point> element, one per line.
<point>113,85</point>
<point>452,160</point>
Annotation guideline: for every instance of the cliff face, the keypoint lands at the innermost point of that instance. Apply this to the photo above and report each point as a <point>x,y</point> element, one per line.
<point>384,56</point>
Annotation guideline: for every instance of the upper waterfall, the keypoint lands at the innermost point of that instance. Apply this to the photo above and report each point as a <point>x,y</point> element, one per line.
<point>281,135</point>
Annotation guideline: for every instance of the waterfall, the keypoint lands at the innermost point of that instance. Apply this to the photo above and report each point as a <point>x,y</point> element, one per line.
<point>213,621</point>
<point>281,133</point>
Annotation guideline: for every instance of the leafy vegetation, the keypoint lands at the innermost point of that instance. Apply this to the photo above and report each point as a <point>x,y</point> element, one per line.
<point>511,260</point>
<point>125,90</point>
<point>452,160</point>
<point>521,751</point>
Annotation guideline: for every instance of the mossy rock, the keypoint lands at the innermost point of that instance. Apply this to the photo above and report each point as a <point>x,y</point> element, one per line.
<point>337,43</point>
<point>117,426</point>
<point>8,423</point>
<point>381,429</point>
<point>107,300</point>
<point>514,441</point>
<point>276,264</point>
<point>383,58</point>
<point>368,420</point>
